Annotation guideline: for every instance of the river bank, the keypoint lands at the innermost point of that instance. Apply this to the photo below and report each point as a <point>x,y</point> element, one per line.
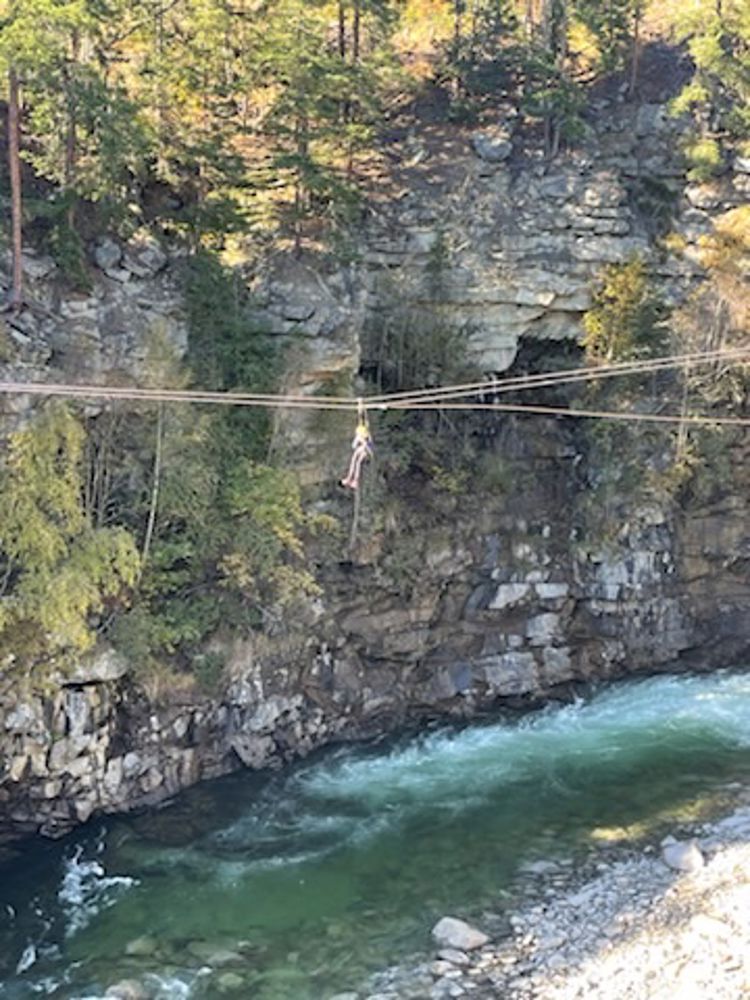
<point>626,925</point>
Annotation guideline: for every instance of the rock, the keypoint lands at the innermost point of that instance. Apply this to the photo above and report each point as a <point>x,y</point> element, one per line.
<point>650,118</point>
<point>492,145</point>
<point>230,981</point>
<point>508,594</point>
<point>552,591</point>
<point>104,665</point>
<point>454,956</point>
<point>510,673</point>
<point>683,856</point>
<point>542,629</point>
<point>23,718</point>
<point>450,932</point>
<point>221,957</point>
<point>145,258</point>
<point>213,953</point>
<point>705,196</point>
<point>107,253</point>
<point>559,187</point>
<point>604,192</point>
<point>345,996</point>
<point>141,947</point>
<point>37,268</point>
<point>128,989</point>
<point>742,164</point>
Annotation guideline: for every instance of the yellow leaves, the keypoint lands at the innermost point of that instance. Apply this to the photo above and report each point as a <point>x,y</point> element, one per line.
<point>733,227</point>
<point>425,26</point>
<point>583,45</point>
<point>59,569</point>
<point>726,251</point>
<point>236,571</point>
<point>41,488</point>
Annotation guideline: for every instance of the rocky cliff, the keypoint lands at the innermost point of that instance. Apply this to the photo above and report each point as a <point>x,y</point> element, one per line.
<point>508,586</point>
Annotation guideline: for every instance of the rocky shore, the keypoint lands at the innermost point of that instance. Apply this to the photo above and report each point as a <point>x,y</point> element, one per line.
<point>664,921</point>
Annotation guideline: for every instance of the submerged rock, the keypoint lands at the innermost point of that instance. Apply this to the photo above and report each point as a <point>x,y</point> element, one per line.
<point>230,981</point>
<point>450,932</point>
<point>128,989</point>
<point>141,947</point>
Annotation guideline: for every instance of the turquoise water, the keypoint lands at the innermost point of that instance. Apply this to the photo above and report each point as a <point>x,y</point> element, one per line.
<point>293,886</point>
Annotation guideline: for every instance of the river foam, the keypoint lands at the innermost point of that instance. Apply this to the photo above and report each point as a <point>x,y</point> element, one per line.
<point>351,797</point>
<point>86,889</point>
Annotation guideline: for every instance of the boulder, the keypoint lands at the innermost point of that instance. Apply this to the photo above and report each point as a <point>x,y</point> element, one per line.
<point>492,145</point>
<point>107,253</point>
<point>104,665</point>
<point>682,856</point>
<point>145,258</point>
<point>450,932</point>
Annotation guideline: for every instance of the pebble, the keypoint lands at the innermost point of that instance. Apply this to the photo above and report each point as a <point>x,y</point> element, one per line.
<point>454,956</point>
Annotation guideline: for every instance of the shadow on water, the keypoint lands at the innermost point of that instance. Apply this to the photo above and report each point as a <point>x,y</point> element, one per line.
<point>341,864</point>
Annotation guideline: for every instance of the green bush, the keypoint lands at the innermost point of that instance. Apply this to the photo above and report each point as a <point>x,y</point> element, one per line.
<point>704,159</point>
<point>626,319</point>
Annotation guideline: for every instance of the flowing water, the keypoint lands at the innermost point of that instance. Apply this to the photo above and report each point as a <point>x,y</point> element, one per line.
<point>293,886</point>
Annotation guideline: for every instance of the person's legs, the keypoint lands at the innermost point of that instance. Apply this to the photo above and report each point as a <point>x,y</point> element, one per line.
<point>358,459</point>
<point>355,466</point>
<point>348,479</point>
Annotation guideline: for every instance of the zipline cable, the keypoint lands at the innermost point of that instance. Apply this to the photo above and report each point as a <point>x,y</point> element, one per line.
<point>559,411</point>
<point>404,400</point>
<point>547,379</point>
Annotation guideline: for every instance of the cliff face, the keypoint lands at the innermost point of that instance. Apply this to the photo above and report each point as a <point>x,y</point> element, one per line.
<point>512,586</point>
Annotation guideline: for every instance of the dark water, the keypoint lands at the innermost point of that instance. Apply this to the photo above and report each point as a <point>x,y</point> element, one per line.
<point>300,884</point>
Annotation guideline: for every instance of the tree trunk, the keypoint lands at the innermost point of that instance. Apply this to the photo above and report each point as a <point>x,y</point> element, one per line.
<point>14,165</point>
<point>155,488</point>
<point>458,9</point>
<point>356,30</point>
<point>636,56</point>
<point>71,141</point>
<point>548,129</point>
<point>342,29</point>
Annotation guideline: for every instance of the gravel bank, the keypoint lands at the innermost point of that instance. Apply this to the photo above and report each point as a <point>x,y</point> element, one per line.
<point>631,928</point>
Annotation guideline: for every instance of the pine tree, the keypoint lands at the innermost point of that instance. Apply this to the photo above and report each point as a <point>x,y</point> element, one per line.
<point>718,37</point>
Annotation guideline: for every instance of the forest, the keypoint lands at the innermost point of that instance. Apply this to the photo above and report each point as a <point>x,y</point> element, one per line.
<point>218,124</point>
<point>205,118</point>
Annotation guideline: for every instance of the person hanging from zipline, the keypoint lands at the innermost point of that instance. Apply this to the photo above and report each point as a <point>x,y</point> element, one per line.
<point>361,449</point>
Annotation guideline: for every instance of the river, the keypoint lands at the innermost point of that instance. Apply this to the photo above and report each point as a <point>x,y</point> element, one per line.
<point>293,885</point>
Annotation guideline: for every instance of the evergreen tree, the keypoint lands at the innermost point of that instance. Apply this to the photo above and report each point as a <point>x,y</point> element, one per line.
<point>615,25</point>
<point>718,37</point>
<point>313,84</point>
